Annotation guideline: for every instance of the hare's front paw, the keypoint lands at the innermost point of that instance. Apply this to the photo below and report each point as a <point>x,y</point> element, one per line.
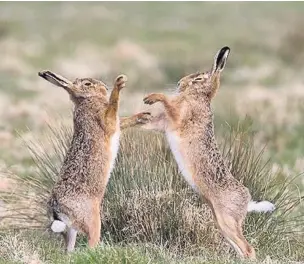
<point>120,81</point>
<point>143,118</point>
<point>153,98</point>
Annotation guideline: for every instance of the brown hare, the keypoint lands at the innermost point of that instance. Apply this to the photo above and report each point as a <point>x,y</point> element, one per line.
<point>77,196</point>
<point>187,121</point>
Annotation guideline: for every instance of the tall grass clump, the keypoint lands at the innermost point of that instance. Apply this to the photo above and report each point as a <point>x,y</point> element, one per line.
<point>148,202</point>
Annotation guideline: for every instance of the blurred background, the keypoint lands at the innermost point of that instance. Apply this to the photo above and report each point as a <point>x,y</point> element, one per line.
<point>155,44</point>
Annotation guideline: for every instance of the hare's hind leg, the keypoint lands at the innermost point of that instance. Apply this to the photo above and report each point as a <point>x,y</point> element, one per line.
<point>94,228</point>
<point>70,239</point>
<point>93,224</point>
<point>86,219</point>
<point>231,228</point>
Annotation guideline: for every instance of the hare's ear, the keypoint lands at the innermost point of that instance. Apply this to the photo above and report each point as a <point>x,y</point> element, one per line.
<point>56,79</point>
<point>220,59</point>
<point>219,63</point>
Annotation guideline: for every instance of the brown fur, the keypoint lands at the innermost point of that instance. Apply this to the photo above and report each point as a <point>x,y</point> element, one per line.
<point>189,118</point>
<point>77,196</point>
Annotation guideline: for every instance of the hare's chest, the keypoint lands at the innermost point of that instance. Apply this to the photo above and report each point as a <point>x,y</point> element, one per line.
<point>175,146</point>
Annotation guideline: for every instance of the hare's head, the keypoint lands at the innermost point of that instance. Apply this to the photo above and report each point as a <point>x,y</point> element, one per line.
<point>81,88</point>
<point>205,83</point>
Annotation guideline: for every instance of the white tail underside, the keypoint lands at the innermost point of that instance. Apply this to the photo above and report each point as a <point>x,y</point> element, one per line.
<point>261,207</point>
<point>58,226</point>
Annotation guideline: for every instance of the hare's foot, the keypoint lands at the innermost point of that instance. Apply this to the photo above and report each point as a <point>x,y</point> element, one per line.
<point>143,118</point>
<point>70,239</point>
<point>120,81</point>
<point>153,98</point>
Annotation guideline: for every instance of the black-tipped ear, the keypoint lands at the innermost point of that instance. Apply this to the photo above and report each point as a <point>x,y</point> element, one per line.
<point>220,59</point>
<point>55,79</point>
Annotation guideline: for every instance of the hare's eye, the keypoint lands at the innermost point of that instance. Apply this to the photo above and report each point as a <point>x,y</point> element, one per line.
<point>198,79</point>
<point>87,84</point>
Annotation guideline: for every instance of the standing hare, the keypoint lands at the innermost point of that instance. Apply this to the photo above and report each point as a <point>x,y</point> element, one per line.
<point>187,120</point>
<point>77,196</point>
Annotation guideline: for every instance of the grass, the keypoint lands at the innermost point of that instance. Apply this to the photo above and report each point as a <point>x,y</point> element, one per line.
<point>148,203</point>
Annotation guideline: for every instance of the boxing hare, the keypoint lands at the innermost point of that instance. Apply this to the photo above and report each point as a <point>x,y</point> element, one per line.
<point>187,121</point>
<point>77,195</point>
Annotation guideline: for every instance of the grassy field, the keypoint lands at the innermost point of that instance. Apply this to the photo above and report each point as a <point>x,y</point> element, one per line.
<point>155,44</point>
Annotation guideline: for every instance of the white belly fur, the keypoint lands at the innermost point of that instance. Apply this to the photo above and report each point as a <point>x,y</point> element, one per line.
<point>174,142</point>
<point>114,146</point>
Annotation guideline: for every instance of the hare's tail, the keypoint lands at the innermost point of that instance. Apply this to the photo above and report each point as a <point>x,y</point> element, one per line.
<point>260,207</point>
<point>58,226</point>
<point>59,221</point>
